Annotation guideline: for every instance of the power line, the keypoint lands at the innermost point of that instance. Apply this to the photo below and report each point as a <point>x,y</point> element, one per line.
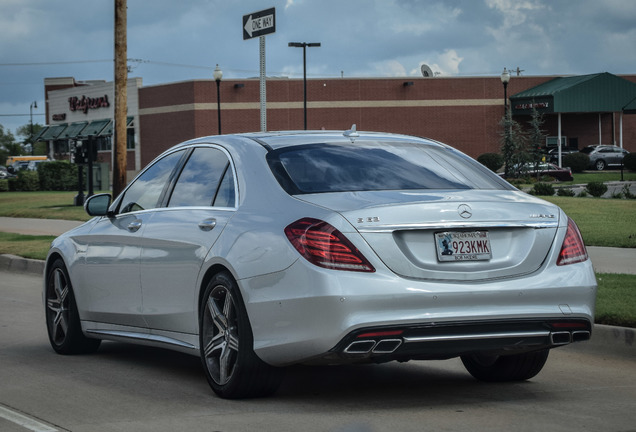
<point>54,63</point>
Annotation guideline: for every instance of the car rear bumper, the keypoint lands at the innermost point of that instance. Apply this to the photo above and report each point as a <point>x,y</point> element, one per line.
<point>311,315</point>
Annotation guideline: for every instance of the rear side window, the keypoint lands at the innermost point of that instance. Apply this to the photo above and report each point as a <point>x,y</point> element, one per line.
<point>206,180</point>
<point>373,166</point>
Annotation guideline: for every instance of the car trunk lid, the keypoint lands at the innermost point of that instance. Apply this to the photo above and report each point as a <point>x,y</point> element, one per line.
<point>496,234</point>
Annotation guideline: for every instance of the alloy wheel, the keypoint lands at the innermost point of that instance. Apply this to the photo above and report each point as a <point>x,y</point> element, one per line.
<point>220,339</point>
<point>57,303</point>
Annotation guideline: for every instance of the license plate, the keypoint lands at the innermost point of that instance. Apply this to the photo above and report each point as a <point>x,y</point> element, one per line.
<point>463,246</point>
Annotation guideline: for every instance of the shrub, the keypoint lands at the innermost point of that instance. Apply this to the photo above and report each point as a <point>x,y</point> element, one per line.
<point>565,192</point>
<point>57,176</point>
<point>26,181</point>
<point>582,194</point>
<point>543,189</point>
<point>4,185</point>
<point>630,161</point>
<point>578,162</point>
<point>596,189</point>
<point>492,161</point>
<point>627,193</point>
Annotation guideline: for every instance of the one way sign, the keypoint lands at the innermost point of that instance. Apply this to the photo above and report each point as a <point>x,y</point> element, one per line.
<point>259,23</point>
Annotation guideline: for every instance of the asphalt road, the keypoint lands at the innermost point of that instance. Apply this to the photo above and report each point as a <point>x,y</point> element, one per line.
<point>131,388</point>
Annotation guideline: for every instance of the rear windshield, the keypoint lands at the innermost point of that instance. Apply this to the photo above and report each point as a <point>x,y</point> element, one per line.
<point>376,166</point>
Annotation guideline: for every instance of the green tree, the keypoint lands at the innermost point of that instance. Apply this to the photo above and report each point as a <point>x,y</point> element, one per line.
<point>536,138</point>
<point>513,146</point>
<point>25,133</point>
<point>8,145</point>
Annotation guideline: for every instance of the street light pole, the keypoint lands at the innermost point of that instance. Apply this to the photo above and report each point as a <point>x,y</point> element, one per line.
<point>505,79</point>
<point>218,74</point>
<point>34,104</point>
<point>304,46</point>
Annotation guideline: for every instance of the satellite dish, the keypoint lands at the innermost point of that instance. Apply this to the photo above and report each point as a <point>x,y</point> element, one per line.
<point>426,71</point>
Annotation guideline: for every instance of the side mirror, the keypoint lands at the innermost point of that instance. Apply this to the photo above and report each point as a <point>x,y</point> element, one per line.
<point>97,205</point>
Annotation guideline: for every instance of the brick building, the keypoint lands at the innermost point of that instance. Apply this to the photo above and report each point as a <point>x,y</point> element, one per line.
<point>461,111</point>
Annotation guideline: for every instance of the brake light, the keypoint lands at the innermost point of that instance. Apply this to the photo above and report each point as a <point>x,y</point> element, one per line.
<point>573,250</point>
<point>323,245</point>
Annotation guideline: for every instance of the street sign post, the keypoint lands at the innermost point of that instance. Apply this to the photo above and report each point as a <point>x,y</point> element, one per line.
<point>259,24</point>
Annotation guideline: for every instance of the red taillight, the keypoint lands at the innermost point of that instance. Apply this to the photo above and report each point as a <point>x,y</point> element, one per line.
<point>573,249</point>
<point>325,246</point>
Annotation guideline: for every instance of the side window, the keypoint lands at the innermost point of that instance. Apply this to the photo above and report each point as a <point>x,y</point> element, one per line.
<point>204,180</point>
<point>225,195</point>
<point>146,190</point>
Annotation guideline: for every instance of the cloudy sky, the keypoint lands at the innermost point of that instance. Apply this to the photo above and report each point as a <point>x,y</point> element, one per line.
<point>172,40</point>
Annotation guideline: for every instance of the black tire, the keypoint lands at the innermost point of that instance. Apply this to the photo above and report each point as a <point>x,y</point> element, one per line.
<point>62,319</point>
<point>231,367</point>
<point>599,165</point>
<point>517,367</point>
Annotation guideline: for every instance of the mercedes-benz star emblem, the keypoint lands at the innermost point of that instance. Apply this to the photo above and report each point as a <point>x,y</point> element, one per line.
<point>464,211</point>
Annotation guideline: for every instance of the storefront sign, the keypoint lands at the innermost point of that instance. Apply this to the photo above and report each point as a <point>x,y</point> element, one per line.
<point>85,103</point>
<point>537,105</point>
<point>59,117</point>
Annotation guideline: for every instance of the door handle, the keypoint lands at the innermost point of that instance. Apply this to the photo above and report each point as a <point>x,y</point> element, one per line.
<point>207,225</point>
<point>134,225</point>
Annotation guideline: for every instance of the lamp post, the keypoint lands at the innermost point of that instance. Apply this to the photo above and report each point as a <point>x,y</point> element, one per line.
<point>304,46</point>
<point>505,79</point>
<point>34,104</point>
<point>218,74</point>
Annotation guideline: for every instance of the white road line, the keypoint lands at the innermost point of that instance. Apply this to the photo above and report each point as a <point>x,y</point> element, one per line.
<point>24,421</point>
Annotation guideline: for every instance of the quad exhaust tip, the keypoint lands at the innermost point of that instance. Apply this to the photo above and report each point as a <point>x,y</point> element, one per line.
<point>383,346</point>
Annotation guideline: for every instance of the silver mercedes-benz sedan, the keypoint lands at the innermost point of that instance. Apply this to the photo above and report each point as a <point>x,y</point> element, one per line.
<point>261,250</point>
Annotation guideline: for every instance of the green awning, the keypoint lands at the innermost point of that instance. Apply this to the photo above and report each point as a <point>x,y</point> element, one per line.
<point>630,108</point>
<point>94,128</point>
<point>73,130</point>
<point>53,132</point>
<point>597,93</point>
<point>108,130</point>
<point>39,135</point>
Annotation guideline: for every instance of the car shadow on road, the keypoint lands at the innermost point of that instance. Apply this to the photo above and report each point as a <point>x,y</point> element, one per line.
<point>381,386</point>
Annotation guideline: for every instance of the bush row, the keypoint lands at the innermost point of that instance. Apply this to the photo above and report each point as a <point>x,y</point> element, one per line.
<point>595,189</point>
<point>50,176</point>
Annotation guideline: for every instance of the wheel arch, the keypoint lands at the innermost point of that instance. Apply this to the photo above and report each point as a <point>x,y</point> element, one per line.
<point>205,280</point>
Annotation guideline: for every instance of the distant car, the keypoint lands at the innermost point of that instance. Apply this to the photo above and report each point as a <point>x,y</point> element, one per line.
<point>546,169</point>
<point>603,156</point>
<point>5,174</point>
<point>261,250</point>
<point>553,154</point>
<point>33,165</point>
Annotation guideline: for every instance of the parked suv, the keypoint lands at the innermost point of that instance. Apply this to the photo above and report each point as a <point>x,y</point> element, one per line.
<point>602,156</point>
<point>553,154</point>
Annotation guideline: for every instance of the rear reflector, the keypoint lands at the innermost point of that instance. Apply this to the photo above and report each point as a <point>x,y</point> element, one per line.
<point>573,250</point>
<point>325,246</point>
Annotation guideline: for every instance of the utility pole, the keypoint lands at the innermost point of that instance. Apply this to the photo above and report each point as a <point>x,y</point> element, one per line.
<point>121,97</point>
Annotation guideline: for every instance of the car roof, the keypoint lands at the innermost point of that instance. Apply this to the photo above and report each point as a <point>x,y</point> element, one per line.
<point>280,139</point>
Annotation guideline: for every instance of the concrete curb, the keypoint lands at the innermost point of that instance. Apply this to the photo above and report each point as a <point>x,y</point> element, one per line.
<point>610,340</point>
<point>16,264</point>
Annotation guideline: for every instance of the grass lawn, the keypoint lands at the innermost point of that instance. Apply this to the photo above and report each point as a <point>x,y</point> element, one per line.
<point>27,246</point>
<point>616,299</point>
<point>44,205</point>
<point>603,222</point>
<point>603,176</point>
